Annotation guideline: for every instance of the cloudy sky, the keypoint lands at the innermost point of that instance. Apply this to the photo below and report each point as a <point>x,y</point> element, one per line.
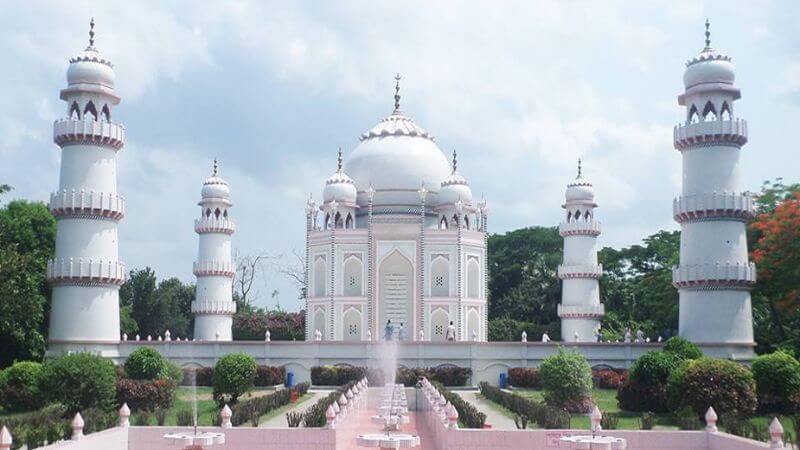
<point>521,89</point>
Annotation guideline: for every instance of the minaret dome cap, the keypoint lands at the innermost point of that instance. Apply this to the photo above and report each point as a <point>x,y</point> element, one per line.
<point>214,187</point>
<point>90,67</point>
<point>339,186</point>
<point>580,189</point>
<point>709,66</point>
<point>455,187</point>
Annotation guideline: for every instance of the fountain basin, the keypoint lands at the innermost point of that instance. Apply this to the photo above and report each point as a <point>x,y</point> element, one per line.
<point>595,442</point>
<point>186,440</point>
<point>392,440</point>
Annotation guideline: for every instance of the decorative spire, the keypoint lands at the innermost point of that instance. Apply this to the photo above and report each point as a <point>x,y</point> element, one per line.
<point>579,169</point>
<point>339,160</point>
<point>215,167</point>
<point>455,161</point>
<point>708,35</point>
<point>91,35</point>
<point>397,79</point>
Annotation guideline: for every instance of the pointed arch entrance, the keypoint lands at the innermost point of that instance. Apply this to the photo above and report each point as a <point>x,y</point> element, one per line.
<point>396,293</point>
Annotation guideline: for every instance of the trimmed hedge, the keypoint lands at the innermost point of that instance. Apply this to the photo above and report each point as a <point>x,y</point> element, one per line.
<point>269,375</point>
<point>146,395</point>
<point>468,415</point>
<point>20,386</point>
<point>146,363</point>
<point>635,396</point>
<point>52,423</point>
<point>234,374</point>
<point>777,377</point>
<point>654,368</point>
<point>545,416</point>
<point>314,417</point>
<point>646,386</point>
<point>609,378</point>
<point>524,377</point>
<point>567,381</point>
<point>252,409</point>
<point>339,375</point>
<point>726,385</point>
<point>80,381</point>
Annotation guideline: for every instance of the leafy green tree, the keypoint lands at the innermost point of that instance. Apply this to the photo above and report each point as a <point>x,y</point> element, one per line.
<point>156,307</point>
<point>523,279</point>
<point>27,241</point>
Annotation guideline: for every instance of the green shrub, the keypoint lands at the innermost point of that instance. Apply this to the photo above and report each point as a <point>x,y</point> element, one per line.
<point>609,421</point>
<point>654,368</point>
<point>687,419</point>
<point>146,363</point>
<point>20,386</point>
<point>142,419</point>
<point>184,418</point>
<point>468,415</point>
<point>567,381</point>
<point>545,416</point>
<point>336,375</point>
<point>252,409</point>
<point>80,381</point>
<point>314,417</point>
<point>524,377</point>
<point>726,385</point>
<point>33,428</point>
<point>234,375</point>
<point>521,422</point>
<point>294,419</point>
<point>635,396</point>
<point>147,395</point>
<point>777,378</point>
<point>683,348</point>
<point>270,375</point>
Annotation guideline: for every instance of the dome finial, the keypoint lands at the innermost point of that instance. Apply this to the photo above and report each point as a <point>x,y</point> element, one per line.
<point>215,167</point>
<point>91,34</point>
<point>579,169</point>
<point>339,161</point>
<point>708,34</point>
<point>455,161</point>
<point>397,79</point>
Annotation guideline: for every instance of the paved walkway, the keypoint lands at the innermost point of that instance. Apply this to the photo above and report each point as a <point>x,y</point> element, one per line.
<point>495,418</point>
<point>279,421</point>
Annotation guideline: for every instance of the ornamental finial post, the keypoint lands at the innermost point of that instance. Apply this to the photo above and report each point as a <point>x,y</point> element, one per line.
<point>579,168</point>
<point>215,167</point>
<point>397,79</point>
<point>708,34</point>
<point>339,161</point>
<point>91,34</point>
<point>455,161</point>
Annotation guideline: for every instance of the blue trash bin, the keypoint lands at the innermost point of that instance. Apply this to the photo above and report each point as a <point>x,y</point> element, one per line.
<point>289,379</point>
<point>503,380</point>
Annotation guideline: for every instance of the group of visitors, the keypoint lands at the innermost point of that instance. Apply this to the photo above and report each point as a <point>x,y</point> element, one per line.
<point>389,332</point>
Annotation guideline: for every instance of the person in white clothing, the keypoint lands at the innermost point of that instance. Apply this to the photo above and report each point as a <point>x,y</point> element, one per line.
<point>545,337</point>
<point>451,332</point>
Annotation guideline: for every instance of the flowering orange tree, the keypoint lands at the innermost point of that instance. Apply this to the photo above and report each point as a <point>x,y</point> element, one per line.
<point>775,236</point>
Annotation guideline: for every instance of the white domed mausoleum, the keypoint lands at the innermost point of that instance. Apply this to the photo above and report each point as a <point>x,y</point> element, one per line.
<point>398,240</point>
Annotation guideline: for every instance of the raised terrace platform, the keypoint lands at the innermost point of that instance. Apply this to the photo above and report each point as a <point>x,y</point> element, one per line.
<point>486,359</point>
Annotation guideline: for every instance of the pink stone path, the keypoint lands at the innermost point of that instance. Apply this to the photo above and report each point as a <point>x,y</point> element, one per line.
<point>358,422</point>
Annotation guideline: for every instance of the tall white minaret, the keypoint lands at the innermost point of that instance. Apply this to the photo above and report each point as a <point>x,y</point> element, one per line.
<point>580,309</point>
<point>213,307</point>
<point>714,276</point>
<point>86,272</point>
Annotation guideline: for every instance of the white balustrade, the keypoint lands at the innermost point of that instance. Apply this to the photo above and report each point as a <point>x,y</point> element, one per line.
<point>87,130</point>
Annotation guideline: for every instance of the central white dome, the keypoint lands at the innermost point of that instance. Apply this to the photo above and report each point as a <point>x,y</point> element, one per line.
<point>396,157</point>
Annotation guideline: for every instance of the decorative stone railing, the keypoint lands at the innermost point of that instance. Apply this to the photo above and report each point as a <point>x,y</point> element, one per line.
<point>213,268</point>
<point>579,228</point>
<point>65,271</point>
<point>720,276</point>
<point>581,311</point>
<point>712,131</point>
<point>701,206</point>
<point>214,225</point>
<point>88,131</point>
<point>580,271</point>
<point>87,204</point>
<point>213,307</point>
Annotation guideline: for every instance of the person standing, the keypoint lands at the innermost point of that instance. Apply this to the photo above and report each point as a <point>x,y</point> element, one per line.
<point>401,333</point>
<point>545,337</point>
<point>388,331</point>
<point>628,335</point>
<point>450,336</point>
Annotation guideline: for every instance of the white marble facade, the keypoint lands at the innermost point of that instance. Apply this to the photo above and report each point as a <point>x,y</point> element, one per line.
<point>374,256</point>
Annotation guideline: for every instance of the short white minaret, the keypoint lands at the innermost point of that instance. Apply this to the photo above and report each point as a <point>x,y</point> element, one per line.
<point>715,275</point>
<point>213,307</point>
<point>580,309</point>
<point>86,272</point>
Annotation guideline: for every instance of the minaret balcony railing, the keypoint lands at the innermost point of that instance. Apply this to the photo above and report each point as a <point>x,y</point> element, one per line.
<point>213,268</point>
<point>87,204</point>
<point>88,131</point>
<point>581,311</point>
<point>209,307</point>
<point>714,205</point>
<point>579,228</point>
<point>714,276</point>
<point>732,131</point>
<point>566,272</point>
<point>214,225</point>
<point>80,271</point>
